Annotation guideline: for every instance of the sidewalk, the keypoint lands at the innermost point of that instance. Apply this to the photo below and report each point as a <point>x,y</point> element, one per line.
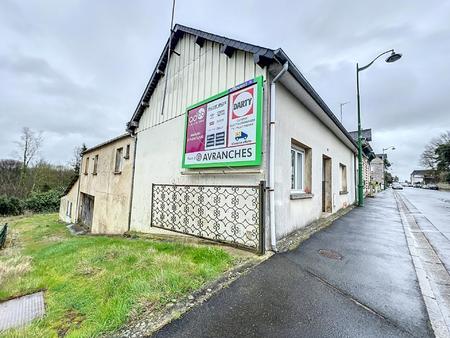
<point>365,285</point>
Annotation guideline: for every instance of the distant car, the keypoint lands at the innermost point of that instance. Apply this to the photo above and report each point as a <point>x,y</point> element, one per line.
<point>433,187</point>
<point>417,185</point>
<point>396,186</point>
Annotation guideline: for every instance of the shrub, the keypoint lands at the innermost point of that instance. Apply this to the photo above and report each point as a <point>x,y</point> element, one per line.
<point>10,206</point>
<point>43,201</point>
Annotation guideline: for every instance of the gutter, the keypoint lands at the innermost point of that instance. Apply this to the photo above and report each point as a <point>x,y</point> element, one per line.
<point>273,239</point>
<point>132,179</point>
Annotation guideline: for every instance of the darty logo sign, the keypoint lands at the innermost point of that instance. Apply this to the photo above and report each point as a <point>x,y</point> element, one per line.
<point>243,104</point>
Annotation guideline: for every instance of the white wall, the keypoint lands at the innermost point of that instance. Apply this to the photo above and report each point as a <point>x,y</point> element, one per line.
<point>295,121</point>
<point>196,74</point>
<point>199,73</point>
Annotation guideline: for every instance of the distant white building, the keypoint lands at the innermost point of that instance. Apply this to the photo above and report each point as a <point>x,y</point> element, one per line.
<point>423,176</point>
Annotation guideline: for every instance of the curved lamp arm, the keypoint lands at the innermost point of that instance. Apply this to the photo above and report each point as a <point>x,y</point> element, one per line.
<point>370,64</point>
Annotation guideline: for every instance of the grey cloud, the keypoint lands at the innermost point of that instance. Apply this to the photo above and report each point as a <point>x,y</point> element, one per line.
<point>75,69</point>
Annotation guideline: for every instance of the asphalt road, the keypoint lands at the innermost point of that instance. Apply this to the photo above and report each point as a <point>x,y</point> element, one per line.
<point>431,210</point>
<point>371,291</point>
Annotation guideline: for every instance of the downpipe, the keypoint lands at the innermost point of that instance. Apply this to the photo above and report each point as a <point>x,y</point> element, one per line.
<point>273,240</point>
<point>134,136</point>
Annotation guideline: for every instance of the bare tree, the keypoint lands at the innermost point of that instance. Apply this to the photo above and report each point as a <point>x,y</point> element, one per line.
<point>77,156</point>
<point>29,146</point>
<point>10,173</point>
<point>429,158</point>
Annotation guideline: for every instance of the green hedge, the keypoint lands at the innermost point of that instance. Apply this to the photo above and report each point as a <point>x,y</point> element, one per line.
<point>38,202</point>
<point>10,206</point>
<point>43,201</point>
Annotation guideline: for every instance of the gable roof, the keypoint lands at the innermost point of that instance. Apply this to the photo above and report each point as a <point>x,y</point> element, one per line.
<point>423,172</point>
<point>365,133</point>
<point>261,55</point>
<point>366,137</point>
<point>71,184</point>
<point>106,143</point>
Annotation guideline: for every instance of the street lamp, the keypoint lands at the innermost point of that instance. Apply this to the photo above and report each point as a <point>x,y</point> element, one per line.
<point>392,58</point>
<point>382,157</point>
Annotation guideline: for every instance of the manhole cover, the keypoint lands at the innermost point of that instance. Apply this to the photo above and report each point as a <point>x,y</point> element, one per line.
<point>330,254</point>
<point>20,311</point>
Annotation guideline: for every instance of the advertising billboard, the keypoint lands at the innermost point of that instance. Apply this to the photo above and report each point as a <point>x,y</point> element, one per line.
<point>225,130</point>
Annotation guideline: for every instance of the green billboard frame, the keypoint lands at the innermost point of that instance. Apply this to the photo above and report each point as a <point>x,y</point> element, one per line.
<point>259,104</point>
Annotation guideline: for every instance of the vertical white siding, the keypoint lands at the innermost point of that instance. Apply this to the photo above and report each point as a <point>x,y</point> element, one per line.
<point>196,74</point>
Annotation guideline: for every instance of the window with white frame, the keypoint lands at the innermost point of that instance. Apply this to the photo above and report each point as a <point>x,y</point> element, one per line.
<point>69,209</point>
<point>297,169</point>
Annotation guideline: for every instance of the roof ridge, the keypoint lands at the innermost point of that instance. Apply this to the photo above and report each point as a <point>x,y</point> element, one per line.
<point>188,28</point>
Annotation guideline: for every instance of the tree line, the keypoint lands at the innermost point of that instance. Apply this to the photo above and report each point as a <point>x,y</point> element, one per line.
<point>436,156</point>
<point>28,182</point>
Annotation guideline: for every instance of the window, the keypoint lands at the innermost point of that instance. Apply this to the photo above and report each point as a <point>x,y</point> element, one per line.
<point>297,169</point>
<point>69,209</point>
<point>127,152</point>
<point>86,166</point>
<point>119,160</point>
<point>343,172</point>
<point>95,165</point>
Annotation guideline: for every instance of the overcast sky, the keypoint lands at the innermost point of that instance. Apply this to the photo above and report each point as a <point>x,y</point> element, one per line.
<point>75,70</point>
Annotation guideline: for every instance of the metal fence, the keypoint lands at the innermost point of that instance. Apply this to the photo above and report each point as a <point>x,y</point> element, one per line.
<point>228,214</point>
<point>3,232</point>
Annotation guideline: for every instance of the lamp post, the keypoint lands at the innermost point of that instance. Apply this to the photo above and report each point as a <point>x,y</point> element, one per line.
<point>382,157</point>
<point>391,58</point>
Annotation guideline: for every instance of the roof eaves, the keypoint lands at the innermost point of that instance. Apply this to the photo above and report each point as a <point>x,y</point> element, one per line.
<point>106,143</point>
<point>71,184</point>
<point>162,61</point>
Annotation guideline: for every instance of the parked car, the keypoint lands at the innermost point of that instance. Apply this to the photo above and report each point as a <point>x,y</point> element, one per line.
<point>433,187</point>
<point>396,186</point>
<point>417,185</point>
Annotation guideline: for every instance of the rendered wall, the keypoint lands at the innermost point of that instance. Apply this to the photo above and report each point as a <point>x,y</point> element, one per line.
<point>111,191</point>
<point>196,74</point>
<point>294,121</point>
<point>71,196</point>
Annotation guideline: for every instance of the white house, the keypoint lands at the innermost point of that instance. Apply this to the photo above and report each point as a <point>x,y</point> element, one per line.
<point>228,142</point>
<point>233,144</point>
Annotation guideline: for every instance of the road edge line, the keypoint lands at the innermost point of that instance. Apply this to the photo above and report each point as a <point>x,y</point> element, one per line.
<point>435,315</point>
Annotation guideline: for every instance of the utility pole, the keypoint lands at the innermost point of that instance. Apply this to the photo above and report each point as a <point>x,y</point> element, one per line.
<point>341,105</point>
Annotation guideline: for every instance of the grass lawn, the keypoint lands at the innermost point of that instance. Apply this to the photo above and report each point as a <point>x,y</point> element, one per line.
<point>94,284</point>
